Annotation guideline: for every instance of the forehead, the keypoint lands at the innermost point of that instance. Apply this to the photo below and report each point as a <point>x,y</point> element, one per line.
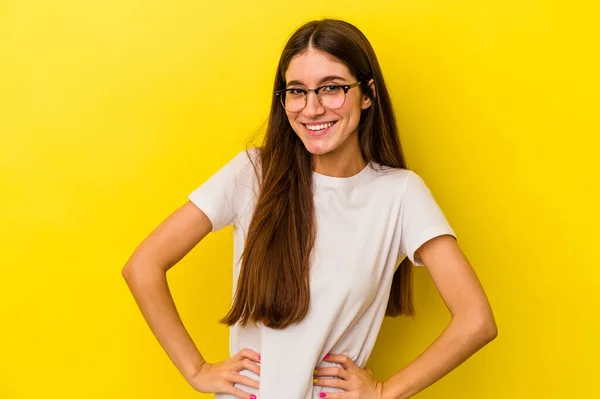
<point>311,66</point>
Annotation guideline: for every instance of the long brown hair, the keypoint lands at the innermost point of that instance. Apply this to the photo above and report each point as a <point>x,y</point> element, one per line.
<point>273,285</point>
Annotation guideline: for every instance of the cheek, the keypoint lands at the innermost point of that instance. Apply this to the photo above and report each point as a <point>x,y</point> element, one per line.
<point>296,126</point>
<point>352,107</point>
<point>351,115</point>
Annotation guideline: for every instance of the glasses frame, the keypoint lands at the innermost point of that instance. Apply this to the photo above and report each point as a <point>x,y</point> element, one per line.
<point>347,87</point>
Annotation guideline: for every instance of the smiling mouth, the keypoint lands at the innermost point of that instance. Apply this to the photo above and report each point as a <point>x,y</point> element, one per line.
<point>319,129</point>
<point>322,126</point>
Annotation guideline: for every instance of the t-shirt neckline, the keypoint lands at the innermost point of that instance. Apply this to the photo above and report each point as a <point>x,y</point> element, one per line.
<point>350,181</point>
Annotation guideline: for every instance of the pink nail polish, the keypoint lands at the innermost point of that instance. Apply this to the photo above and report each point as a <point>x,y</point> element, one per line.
<point>322,394</point>
<point>252,396</point>
<point>258,357</point>
<point>326,356</point>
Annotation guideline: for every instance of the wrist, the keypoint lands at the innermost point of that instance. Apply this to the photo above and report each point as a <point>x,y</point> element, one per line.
<point>193,371</point>
<point>387,391</point>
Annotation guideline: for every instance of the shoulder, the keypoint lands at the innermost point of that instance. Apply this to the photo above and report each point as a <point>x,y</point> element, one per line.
<point>237,171</point>
<point>245,167</point>
<point>244,161</point>
<point>398,177</point>
<point>246,157</point>
<point>405,184</point>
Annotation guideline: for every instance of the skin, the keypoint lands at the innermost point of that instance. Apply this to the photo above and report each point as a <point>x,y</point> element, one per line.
<point>471,327</point>
<point>145,275</point>
<point>336,153</point>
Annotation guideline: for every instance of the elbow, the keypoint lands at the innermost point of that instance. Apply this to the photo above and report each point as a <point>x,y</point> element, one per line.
<point>129,270</point>
<point>137,270</point>
<point>485,329</point>
<point>126,271</point>
<point>479,327</point>
<point>490,331</point>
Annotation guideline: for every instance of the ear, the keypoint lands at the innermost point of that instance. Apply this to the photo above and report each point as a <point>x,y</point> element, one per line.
<point>366,100</point>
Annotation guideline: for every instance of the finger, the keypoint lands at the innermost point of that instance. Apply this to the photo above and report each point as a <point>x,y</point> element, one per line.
<point>332,372</point>
<point>248,353</point>
<point>247,381</point>
<point>332,383</point>
<point>238,393</point>
<point>336,395</point>
<point>246,364</point>
<point>344,360</point>
<point>369,371</point>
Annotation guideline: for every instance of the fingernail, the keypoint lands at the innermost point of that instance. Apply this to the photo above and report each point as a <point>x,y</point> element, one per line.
<point>322,394</point>
<point>258,357</point>
<point>315,380</point>
<point>326,356</point>
<point>252,396</point>
<point>315,372</point>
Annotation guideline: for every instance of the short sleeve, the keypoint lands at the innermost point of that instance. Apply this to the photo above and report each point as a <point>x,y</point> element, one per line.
<point>216,197</point>
<point>421,218</point>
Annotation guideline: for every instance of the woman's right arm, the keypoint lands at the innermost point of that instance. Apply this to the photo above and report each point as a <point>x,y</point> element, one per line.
<point>145,274</point>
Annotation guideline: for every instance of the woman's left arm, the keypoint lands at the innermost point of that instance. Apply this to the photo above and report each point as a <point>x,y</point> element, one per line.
<point>472,325</point>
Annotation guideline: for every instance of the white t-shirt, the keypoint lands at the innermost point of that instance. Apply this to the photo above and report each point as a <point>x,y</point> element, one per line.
<point>366,224</point>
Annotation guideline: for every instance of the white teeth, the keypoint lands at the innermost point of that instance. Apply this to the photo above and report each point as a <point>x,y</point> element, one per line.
<point>319,127</point>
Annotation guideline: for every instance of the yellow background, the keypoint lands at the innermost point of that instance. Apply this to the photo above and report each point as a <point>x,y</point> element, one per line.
<point>112,112</point>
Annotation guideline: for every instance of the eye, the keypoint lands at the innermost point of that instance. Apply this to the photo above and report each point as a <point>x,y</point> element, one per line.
<point>296,92</point>
<point>331,88</point>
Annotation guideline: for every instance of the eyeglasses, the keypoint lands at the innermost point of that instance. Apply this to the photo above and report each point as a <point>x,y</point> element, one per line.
<point>329,96</point>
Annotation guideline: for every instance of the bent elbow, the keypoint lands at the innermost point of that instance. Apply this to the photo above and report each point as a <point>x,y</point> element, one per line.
<point>486,329</point>
<point>479,326</point>
<point>491,331</point>
<point>125,271</point>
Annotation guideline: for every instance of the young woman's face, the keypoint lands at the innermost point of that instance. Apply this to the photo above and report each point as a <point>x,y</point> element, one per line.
<point>324,130</point>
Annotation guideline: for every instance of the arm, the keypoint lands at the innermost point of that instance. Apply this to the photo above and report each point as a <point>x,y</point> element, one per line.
<point>472,325</point>
<point>145,275</point>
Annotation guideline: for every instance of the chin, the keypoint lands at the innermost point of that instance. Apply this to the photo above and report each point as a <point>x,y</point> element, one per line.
<point>317,149</point>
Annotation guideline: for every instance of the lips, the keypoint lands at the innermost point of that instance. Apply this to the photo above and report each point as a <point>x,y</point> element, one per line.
<point>318,129</point>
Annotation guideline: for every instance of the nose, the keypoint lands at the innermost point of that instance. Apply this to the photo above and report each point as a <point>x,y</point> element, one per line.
<point>313,106</point>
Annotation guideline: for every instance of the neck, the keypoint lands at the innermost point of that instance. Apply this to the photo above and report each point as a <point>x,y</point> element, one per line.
<point>344,161</point>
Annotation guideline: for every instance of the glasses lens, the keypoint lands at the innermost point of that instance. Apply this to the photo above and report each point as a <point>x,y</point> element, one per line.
<point>332,97</point>
<point>294,100</point>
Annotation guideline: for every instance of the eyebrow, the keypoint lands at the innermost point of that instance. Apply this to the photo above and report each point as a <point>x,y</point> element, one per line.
<point>325,79</point>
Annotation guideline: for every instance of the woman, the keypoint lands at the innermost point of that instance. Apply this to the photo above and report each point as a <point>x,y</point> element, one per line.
<point>322,212</point>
